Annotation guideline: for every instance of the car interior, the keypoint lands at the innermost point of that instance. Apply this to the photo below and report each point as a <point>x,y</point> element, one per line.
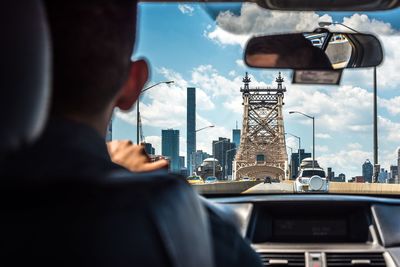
<point>153,221</point>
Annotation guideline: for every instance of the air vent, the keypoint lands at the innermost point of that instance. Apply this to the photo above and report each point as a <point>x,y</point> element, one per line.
<point>355,259</point>
<point>282,259</point>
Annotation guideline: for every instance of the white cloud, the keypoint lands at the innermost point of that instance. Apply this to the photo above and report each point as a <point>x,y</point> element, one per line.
<point>343,108</point>
<point>222,37</point>
<point>167,105</point>
<point>363,23</point>
<point>321,148</point>
<point>155,141</point>
<point>392,105</point>
<point>293,143</point>
<point>240,63</point>
<point>387,74</point>
<point>212,82</point>
<point>186,9</point>
<point>345,161</point>
<point>388,157</point>
<point>234,104</point>
<point>204,138</point>
<point>232,73</point>
<point>389,130</point>
<point>354,146</point>
<point>232,29</point>
<point>323,136</point>
<point>127,116</point>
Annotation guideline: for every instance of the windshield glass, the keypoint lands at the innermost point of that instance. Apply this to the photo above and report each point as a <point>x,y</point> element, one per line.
<point>202,124</point>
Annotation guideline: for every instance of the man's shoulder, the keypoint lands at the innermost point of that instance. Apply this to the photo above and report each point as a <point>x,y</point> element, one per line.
<point>125,176</point>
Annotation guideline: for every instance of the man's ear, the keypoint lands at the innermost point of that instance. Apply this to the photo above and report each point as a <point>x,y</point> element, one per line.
<point>138,75</point>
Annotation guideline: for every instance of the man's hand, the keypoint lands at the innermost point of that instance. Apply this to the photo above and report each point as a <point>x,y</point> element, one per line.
<point>133,157</point>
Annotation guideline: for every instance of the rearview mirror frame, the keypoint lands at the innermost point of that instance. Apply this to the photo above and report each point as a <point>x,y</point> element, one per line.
<point>301,51</point>
<point>328,5</point>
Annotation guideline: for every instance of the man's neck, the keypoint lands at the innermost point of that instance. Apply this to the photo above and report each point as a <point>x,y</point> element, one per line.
<point>98,123</point>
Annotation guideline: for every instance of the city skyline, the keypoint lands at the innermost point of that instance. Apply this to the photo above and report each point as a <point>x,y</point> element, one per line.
<point>215,67</point>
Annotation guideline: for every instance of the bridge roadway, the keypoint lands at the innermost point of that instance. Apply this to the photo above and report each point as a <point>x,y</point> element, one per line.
<point>284,187</point>
<point>257,187</point>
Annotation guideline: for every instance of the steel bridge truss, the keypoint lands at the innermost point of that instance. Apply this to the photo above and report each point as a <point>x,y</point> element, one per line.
<point>262,150</point>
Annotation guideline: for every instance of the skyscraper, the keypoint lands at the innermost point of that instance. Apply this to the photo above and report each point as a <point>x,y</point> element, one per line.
<point>367,171</point>
<point>220,149</point>
<point>181,162</point>
<point>295,162</point>
<point>393,173</point>
<point>236,137</point>
<point>170,148</point>
<point>149,149</point>
<point>197,158</point>
<point>329,175</point>
<point>190,126</point>
<point>182,169</point>
<point>109,130</point>
<point>398,164</point>
<point>383,176</point>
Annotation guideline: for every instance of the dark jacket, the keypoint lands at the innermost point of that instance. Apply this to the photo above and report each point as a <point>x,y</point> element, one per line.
<point>72,150</point>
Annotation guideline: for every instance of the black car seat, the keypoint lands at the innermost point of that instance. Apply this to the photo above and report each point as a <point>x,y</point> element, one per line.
<point>24,74</point>
<point>116,220</point>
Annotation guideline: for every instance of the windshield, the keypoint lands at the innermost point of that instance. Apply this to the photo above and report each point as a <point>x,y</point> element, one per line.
<point>201,123</point>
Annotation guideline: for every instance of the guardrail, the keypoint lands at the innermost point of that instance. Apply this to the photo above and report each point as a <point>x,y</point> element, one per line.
<point>363,188</point>
<point>231,187</point>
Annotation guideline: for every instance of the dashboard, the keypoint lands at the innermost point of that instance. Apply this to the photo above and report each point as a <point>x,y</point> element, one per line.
<point>317,230</point>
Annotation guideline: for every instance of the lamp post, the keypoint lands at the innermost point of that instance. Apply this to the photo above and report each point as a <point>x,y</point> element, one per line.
<point>298,138</point>
<point>313,129</point>
<point>375,100</point>
<point>192,163</point>
<point>137,107</point>
<point>226,160</point>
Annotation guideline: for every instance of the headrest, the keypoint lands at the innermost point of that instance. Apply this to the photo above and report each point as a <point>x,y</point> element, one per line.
<point>24,73</point>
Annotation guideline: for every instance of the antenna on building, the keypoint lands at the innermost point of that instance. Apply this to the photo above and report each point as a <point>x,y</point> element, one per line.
<point>236,125</point>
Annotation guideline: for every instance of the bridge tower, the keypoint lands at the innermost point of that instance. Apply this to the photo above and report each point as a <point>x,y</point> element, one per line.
<point>262,150</point>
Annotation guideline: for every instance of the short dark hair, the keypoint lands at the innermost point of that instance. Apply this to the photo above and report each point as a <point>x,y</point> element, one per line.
<point>92,45</point>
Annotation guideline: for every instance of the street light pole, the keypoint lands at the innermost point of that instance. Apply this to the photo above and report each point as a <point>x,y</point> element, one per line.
<point>192,160</point>
<point>375,127</point>
<point>313,125</point>
<point>313,142</point>
<point>138,110</point>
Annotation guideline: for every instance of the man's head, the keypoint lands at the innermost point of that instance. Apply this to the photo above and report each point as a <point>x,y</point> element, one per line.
<point>92,46</point>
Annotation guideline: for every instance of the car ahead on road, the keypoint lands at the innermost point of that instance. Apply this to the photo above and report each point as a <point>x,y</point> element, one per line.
<point>267,180</point>
<point>310,180</point>
<point>246,179</point>
<point>195,179</point>
<point>211,180</point>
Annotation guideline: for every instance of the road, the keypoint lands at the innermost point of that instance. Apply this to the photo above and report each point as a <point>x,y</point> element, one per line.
<point>270,188</point>
<point>255,187</point>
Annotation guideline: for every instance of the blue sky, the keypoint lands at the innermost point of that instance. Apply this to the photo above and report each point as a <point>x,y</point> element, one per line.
<point>183,43</point>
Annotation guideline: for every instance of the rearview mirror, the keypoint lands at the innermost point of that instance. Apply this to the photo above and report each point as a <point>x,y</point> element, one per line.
<point>316,50</point>
<point>329,5</point>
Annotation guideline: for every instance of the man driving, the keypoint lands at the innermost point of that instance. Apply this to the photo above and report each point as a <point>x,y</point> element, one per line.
<point>93,74</point>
